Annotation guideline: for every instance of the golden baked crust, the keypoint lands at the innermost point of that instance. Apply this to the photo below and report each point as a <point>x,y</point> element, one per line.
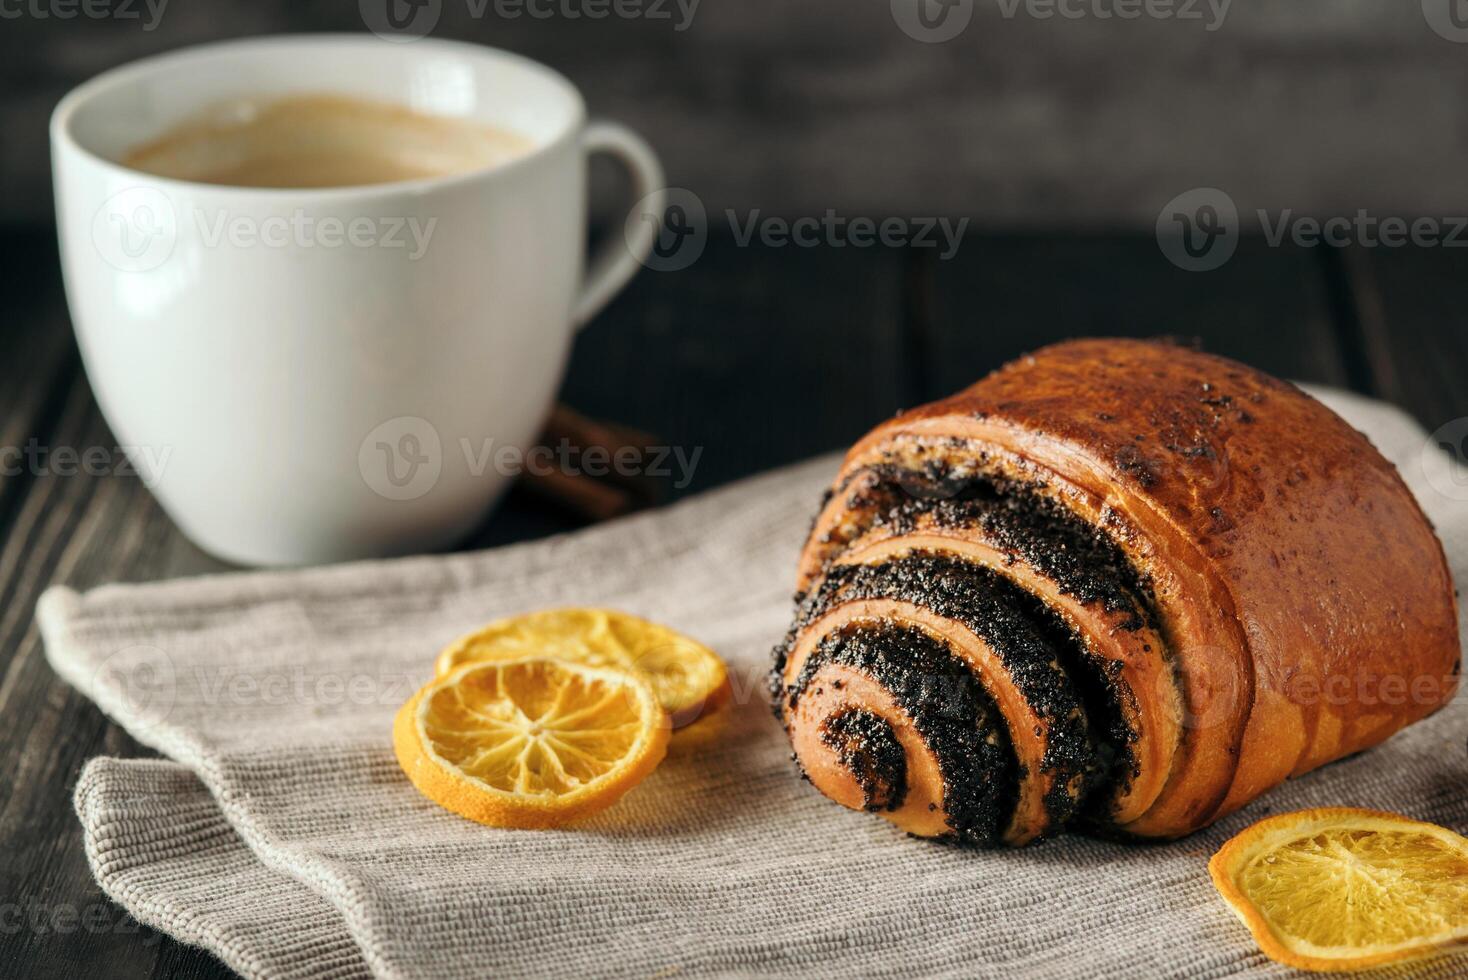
<point>1302,596</point>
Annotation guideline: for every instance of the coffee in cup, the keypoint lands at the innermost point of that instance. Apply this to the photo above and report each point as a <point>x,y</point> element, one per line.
<point>322,140</point>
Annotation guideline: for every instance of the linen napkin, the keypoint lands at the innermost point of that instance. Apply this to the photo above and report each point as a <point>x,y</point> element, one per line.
<point>280,834</point>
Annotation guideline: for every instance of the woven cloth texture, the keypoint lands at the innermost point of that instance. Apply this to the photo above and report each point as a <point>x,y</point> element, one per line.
<point>279,833</point>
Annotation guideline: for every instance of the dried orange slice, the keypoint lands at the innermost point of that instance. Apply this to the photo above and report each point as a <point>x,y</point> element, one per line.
<point>689,678</point>
<point>531,742</point>
<point>1345,889</point>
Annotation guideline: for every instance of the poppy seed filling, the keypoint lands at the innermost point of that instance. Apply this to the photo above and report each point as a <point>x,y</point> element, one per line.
<point>1088,743</point>
<point>952,713</point>
<point>869,750</point>
<point>1080,559</point>
<point>989,606</point>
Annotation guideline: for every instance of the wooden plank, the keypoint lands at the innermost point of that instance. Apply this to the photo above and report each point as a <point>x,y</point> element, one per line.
<point>748,359</point>
<point>36,355</point>
<point>756,356</point>
<point>1000,297</point>
<point>1410,308</point>
<point>83,530</point>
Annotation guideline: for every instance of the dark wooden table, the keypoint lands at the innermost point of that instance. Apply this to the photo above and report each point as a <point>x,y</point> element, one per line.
<point>760,356</point>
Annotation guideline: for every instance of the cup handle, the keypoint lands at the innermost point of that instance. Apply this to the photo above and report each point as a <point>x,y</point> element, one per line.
<point>619,257</point>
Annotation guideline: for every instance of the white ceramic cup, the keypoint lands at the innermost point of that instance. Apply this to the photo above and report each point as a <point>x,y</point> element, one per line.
<point>311,375</point>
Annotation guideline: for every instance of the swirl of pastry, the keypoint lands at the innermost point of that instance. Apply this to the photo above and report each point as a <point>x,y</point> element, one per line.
<point>1105,587</point>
